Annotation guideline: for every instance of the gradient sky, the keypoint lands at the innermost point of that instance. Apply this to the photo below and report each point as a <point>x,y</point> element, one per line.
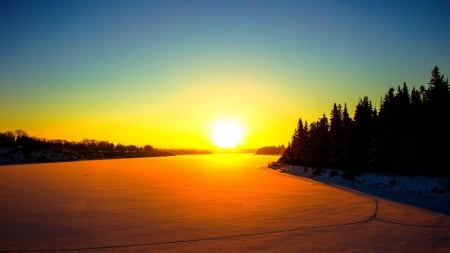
<point>161,72</point>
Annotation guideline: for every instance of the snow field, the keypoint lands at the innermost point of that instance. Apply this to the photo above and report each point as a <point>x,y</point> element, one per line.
<point>211,203</point>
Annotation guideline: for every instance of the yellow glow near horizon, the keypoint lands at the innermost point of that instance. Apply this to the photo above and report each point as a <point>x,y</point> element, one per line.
<point>227,133</point>
<point>174,119</point>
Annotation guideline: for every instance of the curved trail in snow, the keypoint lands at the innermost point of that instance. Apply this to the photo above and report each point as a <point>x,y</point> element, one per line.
<point>371,218</point>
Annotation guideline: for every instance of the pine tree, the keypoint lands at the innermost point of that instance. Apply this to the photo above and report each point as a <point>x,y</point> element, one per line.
<point>319,143</point>
<point>324,142</point>
<point>296,143</point>
<point>362,134</point>
<point>337,137</point>
<point>296,152</point>
<point>347,123</point>
<point>437,116</point>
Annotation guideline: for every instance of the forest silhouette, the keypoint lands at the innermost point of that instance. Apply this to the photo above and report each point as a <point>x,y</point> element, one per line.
<point>409,134</point>
<point>19,147</point>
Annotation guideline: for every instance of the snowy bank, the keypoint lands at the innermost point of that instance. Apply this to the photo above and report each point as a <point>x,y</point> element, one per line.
<point>20,155</point>
<point>432,193</point>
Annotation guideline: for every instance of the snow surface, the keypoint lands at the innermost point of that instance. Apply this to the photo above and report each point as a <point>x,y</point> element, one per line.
<point>427,192</point>
<point>202,203</point>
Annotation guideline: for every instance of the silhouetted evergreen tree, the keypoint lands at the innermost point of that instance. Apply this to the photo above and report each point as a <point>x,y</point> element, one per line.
<point>437,117</point>
<point>337,137</point>
<point>394,138</point>
<point>297,151</point>
<point>309,146</point>
<point>347,140</point>
<point>409,135</point>
<point>362,133</point>
<point>7,139</point>
<point>320,139</point>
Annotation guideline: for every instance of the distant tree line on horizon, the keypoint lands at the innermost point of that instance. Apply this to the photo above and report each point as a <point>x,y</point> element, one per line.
<point>408,135</point>
<point>19,147</point>
<point>271,150</point>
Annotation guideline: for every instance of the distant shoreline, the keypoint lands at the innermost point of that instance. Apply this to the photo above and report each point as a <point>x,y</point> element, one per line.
<point>80,160</point>
<point>17,156</point>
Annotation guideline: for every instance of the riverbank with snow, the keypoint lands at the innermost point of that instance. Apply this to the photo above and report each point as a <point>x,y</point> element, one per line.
<point>431,193</point>
<point>20,155</point>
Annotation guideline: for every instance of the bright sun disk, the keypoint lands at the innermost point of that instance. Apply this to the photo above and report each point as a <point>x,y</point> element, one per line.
<point>227,133</point>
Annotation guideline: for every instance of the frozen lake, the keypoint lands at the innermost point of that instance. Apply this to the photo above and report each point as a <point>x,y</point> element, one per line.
<point>202,203</point>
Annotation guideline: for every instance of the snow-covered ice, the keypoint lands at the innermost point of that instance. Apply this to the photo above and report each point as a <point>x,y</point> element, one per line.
<point>202,203</point>
<point>427,192</point>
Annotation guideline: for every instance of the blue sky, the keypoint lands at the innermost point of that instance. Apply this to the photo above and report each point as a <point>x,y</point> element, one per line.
<point>66,62</point>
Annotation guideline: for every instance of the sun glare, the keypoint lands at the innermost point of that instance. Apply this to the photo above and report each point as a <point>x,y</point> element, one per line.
<point>227,133</point>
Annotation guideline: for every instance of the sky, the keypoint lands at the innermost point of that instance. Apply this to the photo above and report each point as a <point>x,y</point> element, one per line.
<point>162,72</point>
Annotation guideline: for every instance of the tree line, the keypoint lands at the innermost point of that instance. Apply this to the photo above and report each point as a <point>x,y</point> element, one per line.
<point>408,134</point>
<point>19,147</point>
<point>271,150</point>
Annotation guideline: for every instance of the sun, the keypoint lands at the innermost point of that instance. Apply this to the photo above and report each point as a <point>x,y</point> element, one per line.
<point>227,133</point>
